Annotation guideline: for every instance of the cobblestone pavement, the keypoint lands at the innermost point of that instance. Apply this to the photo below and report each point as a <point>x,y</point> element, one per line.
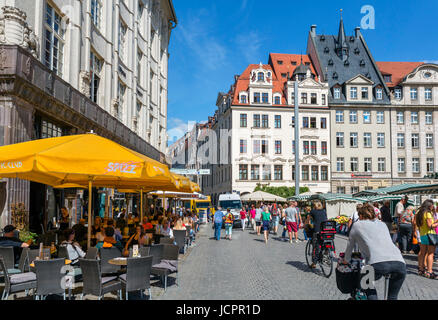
<point>246,268</point>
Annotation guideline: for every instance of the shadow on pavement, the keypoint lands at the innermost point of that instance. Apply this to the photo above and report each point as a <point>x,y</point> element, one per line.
<point>304,267</point>
<point>259,240</point>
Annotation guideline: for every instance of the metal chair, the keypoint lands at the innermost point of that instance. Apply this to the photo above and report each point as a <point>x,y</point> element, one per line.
<point>138,275</point>
<point>92,253</point>
<point>62,252</point>
<point>94,283</point>
<point>107,254</point>
<point>144,251</point>
<point>16,282</point>
<point>9,259</point>
<point>32,254</point>
<point>168,264</point>
<point>180,239</point>
<point>156,251</point>
<point>166,240</point>
<point>49,277</point>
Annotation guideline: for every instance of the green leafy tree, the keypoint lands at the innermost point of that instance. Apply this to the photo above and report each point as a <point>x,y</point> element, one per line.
<point>283,191</point>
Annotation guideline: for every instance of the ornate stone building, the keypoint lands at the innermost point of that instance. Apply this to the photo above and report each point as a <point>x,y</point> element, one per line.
<point>69,67</point>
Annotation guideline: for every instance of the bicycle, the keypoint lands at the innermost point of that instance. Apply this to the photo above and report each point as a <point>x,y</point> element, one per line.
<point>327,248</point>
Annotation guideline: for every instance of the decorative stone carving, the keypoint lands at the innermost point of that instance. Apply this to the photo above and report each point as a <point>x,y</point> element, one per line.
<point>15,30</point>
<point>3,57</point>
<point>27,68</point>
<point>115,107</point>
<point>85,82</point>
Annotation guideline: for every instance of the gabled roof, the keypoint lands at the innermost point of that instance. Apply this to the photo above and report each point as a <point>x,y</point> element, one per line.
<point>397,69</point>
<point>362,77</point>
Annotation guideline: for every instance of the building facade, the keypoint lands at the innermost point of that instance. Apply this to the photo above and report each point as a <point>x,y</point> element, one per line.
<point>72,67</point>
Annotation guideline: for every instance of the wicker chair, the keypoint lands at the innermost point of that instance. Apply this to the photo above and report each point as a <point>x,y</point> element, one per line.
<point>94,283</point>
<point>16,282</point>
<point>180,239</point>
<point>156,251</point>
<point>167,240</point>
<point>168,264</point>
<point>138,275</point>
<point>144,251</point>
<point>9,259</point>
<point>106,254</point>
<point>49,277</point>
<point>92,253</point>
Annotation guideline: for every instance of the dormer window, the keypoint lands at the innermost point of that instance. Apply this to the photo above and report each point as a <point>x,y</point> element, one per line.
<point>364,91</point>
<point>280,62</point>
<point>307,63</point>
<point>335,75</point>
<point>356,51</point>
<point>337,93</point>
<point>243,98</point>
<point>260,76</point>
<point>322,38</point>
<point>269,74</point>
<point>398,93</point>
<point>388,78</point>
<point>379,93</point>
<point>294,63</point>
<point>330,62</point>
<point>277,100</point>
<point>326,50</point>
<point>351,39</point>
<point>346,63</point>
<point>362,63</point>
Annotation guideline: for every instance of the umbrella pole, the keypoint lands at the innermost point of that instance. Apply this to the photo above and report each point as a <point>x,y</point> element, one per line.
<point>141,205</point>
<point>90,197</point>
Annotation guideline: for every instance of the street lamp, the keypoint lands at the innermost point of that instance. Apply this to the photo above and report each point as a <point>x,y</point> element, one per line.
<point>297,141</point>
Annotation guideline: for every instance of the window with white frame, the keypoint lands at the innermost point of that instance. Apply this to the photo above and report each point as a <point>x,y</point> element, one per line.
<point>266,172</point>
<point>256,146</point>
<point>353,92</point>
<point>257,97</point>
<point>95,72</point>
<point>324,173</point>
<point>415,140</point>
<point>354,164</point>
<point>340,190</point>
<point>398,93</point>
<point>400,140</point>
<point>430,165</point>
<point>379,93</point>
<point>381,167</point>
<point>323,101</point>
<point>337,93</point>
<point>339,116</point>
<point>305,173</point>
<point>277,100</point>
<point>255,172</point>
<point>139,67</point>
<point>416,165</point>
<point>122,39</point>
<point>364,91</point>
<point>339,164</point>
<point>243,172</point>
<point>353,139</point>
<point>380,117</point>
<point>278,172</point>
<point>400,117</point>
<point>401,165</point>
<point>367,164</point>
<point>277,121</point>
<point>277,146</point>
<point>314,173</point>
<point>54,41</point>
<point>121,96</point>
<point>96,13</point>
<point>428,94</point>
<point>340,139</point>
<point>242,98</point>
<point>242,146</point>
<point>380,139</point>
<point>313,98</point>
<point>414,93</point>
<point>265,97</point>
<point>367,117</point>
<point>353,116</point>
<point>260,76</point>
<point>367,139</point>
<point>414,117</point>
<point>429,117</point>
<point>429,140</point>
<point>243,120</point>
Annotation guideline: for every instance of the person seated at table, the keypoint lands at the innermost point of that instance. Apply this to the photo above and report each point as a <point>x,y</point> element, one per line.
<point>9,239</point>
<point>97,227</point>
<point>179,225</point>
<point>146,224</point>
<point>165,228</point>
<point>109,241</point>
<point>65,217</point>
<point>99,240</point>
<point>138,238</point>
<point>121,222</point>
<point>81,232</point>
<point>74,250</point>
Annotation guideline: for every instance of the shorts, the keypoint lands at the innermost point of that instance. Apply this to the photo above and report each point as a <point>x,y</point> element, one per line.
<point>292,226</point>
<point>424,240</point>
<point>265,226</point>
<point>258,223</point>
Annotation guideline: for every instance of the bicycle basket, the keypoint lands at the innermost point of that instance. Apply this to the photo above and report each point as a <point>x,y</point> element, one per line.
<point>347,282</point>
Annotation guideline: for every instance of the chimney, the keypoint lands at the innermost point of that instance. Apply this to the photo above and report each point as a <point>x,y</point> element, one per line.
<point>313,29</point>
<point>357,32</point>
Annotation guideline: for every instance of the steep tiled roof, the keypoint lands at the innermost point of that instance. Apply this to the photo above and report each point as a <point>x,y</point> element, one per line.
<point>397,69</point>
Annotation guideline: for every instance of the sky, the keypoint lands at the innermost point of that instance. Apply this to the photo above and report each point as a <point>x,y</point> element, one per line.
<point>217,39</point>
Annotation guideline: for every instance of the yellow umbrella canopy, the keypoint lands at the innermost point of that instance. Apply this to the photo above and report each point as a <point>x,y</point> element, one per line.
<point>183,184</point>
<point>195,187</point>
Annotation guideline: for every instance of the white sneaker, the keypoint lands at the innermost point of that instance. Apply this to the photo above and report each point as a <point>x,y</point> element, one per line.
<point>290,241</point>
<point>298,240</point>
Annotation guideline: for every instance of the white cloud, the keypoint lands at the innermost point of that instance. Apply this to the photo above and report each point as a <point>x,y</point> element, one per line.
<point>249,45</point>
<point>431,61</point>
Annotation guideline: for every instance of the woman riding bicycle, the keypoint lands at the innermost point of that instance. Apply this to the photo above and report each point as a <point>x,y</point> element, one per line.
<point>318,215</point>
<point>375,244</point>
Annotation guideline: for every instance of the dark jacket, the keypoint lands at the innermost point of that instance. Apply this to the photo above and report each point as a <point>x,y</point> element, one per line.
<point>386,214</point>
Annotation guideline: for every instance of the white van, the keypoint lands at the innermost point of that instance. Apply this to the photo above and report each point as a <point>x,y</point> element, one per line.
<point>231,201</point>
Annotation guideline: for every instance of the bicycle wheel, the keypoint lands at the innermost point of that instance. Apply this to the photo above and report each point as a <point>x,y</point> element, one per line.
<point>308,253</point>
<point>326,262</point>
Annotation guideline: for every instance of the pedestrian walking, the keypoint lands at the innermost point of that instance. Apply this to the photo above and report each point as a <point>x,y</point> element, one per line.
<point>283,220</point>
<point>379,251</point>
<point>292,220</point>
<point>266,218</point>
<point>276,218</point>
<point>258,219</point>
<point>218,218</point>
<point>243,215</point>
<point>386,215</point>
<point>405,229</point>
<point>229,218</point>
<point>426,224</point>
<point>252,214</point>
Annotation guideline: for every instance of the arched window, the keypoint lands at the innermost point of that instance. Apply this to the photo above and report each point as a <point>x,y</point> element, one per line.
<point>277,100</point>
<point>260,76</point>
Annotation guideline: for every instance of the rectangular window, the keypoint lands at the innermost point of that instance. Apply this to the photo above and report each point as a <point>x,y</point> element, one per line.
<point>265,97</point>
<point>429,140</point>
<point>428,94</point>
<point>313,123</point>
<point>324,173</point>
<point>367,164</point>
<point>353,116</point>
<point>243,172</point>
<point>416,165</point>
<point>367,139</point>
<point>122,40</point>
<point>380,140</point>
<point>257,97</point>
<point>121,96</point>
<point>340,190</point>
<point>313,98</point>
<point>430,165</point>
<point>381,167</point>
<point>353,140</point>
<point>277,122</point>
<point>305,122</point>
<point>400,117</point>
<point>414,94</point>
<point>266,172</point>
<point>243,98</point>
<point>364,91</point>
<point>323,123</point>
<point>256,120</point>
<point>400,140</point>
<point>354,164</point>
<point>54,41</point>
<point>255,172</point>
<point>256,146</point>
<point>242,146</point>
<point>429,117</point>
<point>305,147</point>
<point>353,92</point>
<point>340,164</point>
<point>401,165</point>
<point>414,117</point>
<point>340,139</point>
<point>304,98</point>
<point>96,12</point>
<point>277,100</point>
<point>324,147</point>
<point>339,116</point>
<point>337,93</point>
<point>305,173</point>
<point>293,122</point>
<point>293,172</point>
<point>264,146</point>
<point>315,173</point>
<point>293,146</point>
<point>379,93</point>
<point>323,99</point>
<point>380,117</point>
<point>366,117</point>
<point>415,140</point>
<point>354,189</point>
<point>398,93</point>
<point>265,121</point>
<point>313,147</point>
<point>243,120</point>
<point>95,71</point>
<point>277,146</point>
<point>278,172</point>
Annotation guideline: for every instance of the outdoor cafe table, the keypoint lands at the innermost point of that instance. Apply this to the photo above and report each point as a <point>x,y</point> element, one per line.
<point>32,265</point>
<point>122,261</point>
